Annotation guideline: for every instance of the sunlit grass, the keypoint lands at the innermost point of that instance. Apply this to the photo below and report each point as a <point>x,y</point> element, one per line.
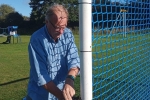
<point>119,65</point>
<point>116,60</point>
<point>14,69</point>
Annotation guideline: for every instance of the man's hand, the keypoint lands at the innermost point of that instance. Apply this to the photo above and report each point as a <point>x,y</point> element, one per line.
<point>68,90</point>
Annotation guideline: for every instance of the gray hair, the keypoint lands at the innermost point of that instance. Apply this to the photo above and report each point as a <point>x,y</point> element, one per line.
<point>53,8</point>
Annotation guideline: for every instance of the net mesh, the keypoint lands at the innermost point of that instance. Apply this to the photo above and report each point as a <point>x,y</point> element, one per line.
<point>121,49</point>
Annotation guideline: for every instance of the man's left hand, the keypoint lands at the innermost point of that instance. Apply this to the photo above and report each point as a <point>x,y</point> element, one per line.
<point>68,90</point>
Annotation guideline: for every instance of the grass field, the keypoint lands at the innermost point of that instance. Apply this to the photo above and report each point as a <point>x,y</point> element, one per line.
<point>14,69</point>
<point>118,63</point>
<point>121,67</point>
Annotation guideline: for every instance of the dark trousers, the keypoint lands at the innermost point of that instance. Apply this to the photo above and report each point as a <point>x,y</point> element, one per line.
<point>8,40</point>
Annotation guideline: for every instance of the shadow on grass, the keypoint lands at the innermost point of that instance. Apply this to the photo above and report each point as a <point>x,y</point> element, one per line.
<point>18,80</point>
<point>4,43</point>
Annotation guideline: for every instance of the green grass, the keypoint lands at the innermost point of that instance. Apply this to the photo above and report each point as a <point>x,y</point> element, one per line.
<point>14,69</point>
<point>117,62</point>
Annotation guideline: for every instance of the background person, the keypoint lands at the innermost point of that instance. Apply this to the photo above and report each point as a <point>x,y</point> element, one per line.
<point>8,40</point>
<point>54,60</point>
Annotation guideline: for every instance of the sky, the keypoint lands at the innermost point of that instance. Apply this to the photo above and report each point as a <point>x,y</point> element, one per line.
<point>20,6</point>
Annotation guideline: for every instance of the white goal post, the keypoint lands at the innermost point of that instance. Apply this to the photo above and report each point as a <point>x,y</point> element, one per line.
<point>85,31</point>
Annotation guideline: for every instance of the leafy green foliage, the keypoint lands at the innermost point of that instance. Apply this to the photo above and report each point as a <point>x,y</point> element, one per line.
<point>5,10</point>
<point>8,16</point>
<point>39,8</point>
<point>14,19</point>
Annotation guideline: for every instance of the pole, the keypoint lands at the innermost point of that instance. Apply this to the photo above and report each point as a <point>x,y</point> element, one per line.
<point>124,21</point>
<point>85,31</point>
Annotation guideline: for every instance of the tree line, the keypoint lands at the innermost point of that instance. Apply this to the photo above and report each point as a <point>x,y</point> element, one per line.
<point>106,13</point>
<point>137,14</point>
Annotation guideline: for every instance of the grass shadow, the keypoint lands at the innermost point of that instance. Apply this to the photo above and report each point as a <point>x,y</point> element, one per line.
<point>18,80</point>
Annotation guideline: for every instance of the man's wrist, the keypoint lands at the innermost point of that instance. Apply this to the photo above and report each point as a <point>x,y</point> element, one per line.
<point>71,77</point>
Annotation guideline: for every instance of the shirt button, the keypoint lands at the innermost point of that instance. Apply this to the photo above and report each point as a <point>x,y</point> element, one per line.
<point>57,64</point>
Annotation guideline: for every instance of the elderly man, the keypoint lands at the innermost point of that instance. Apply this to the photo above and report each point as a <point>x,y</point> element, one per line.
<point>54,60</point>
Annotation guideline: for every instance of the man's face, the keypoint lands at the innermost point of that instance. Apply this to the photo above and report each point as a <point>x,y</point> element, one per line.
<point>57,24</point>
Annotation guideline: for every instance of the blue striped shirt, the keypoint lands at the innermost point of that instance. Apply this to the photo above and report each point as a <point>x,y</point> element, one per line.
<point>50,60</point>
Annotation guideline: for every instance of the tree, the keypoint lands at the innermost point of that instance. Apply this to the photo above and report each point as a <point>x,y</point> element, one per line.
<point>14,19</point>
<point>4,11</point>
<point>9,17</point>
<point>39,8</point>
<point>38,11</point>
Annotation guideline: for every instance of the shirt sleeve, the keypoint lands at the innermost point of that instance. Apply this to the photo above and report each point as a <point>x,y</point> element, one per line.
<point>38,63</point>
<point>72,56</point>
